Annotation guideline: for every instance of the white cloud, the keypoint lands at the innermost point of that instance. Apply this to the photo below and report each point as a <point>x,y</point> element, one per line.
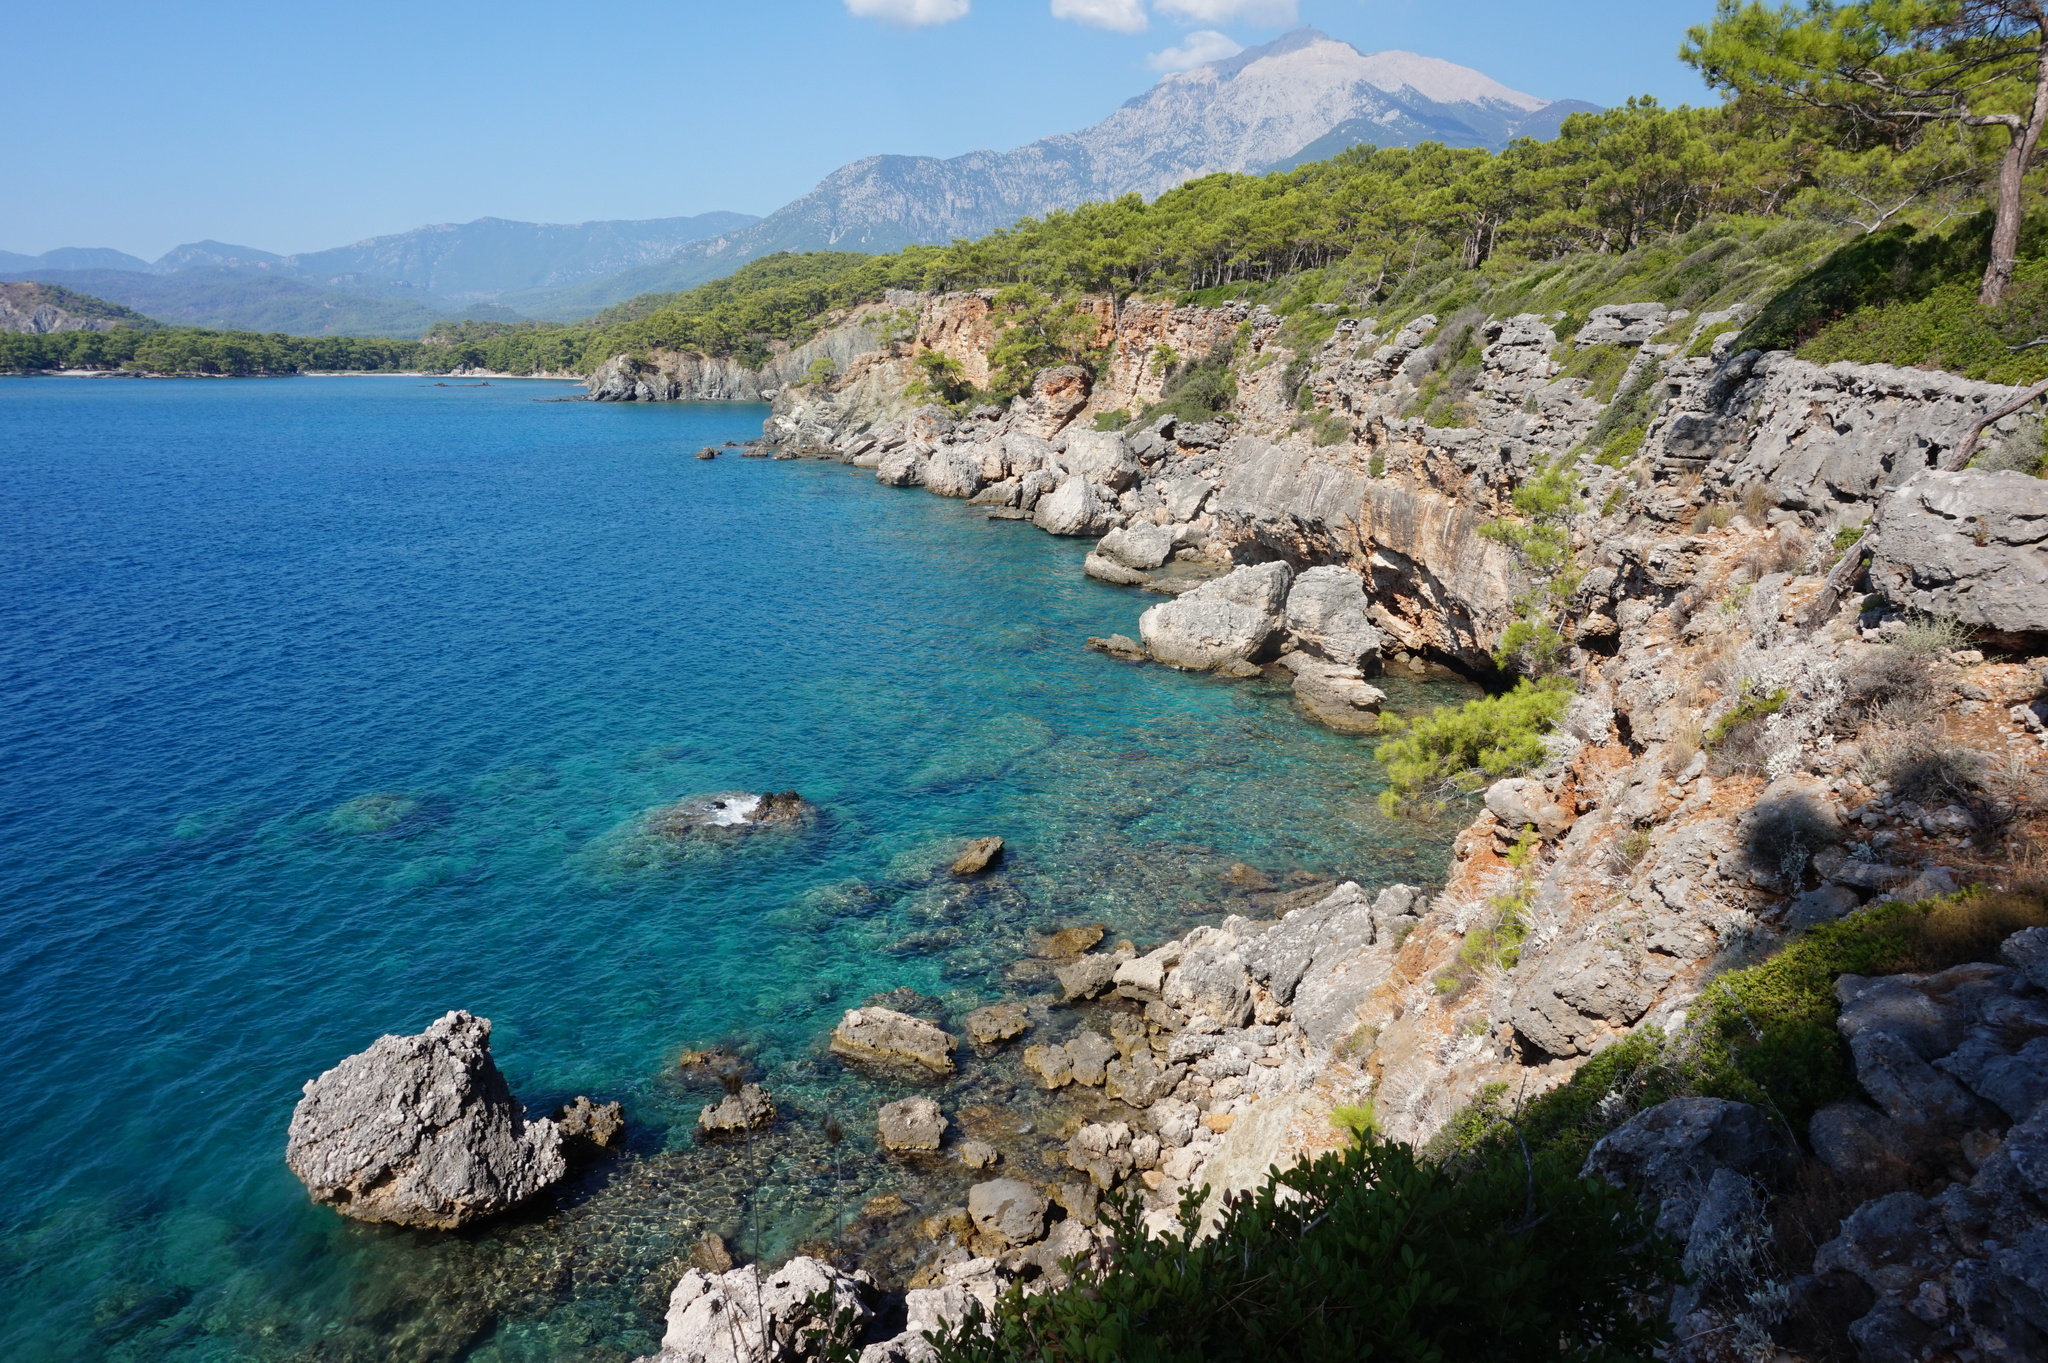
<point>1271,13</point>
<point>1203,45</point>
<point>1123,16</point>
<point>910,13</point>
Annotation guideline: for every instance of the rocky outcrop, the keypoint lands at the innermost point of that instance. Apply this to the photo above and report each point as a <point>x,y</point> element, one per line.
<point>978,856</point>
<point>1223,623</point>
<point>421,1131</point>
<point>1971,546</point>
<point>748,1108</point>
<point>910,1124</point>
<point>795,1314</point>
<point>884,1037</point>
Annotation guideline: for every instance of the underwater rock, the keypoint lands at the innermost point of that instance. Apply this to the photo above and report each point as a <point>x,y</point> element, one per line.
<point>887,1037</point>
<point>421,1131</point>
<point>996,1023</point>
<point>910,1124</point>
<point>749,1109</point>
<point>979,856</point>
<point>378,813</point>
<point>710,1253</point>
<point>591,1126</point>
<point>1119,646</point>
<point>977,1154</point>
<point>1069,942</point>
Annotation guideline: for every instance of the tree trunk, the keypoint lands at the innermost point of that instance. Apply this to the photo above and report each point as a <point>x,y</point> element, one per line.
<point>2012,174</point>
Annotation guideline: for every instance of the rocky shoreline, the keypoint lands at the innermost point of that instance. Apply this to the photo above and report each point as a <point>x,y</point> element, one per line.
<point>1745,757</point>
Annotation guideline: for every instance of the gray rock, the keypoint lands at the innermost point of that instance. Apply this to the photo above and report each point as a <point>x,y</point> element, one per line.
<point>903,466</point>
<point>1520,802</point>
<point>1351,961</point>
<point>1088,977</point>
<point>1815,907</point>
<point>911,1124</point>
<point>1929,1106</point>
<point>1087,1055</point>
<point>1102,1150</point>
<point>953,472</point>
<point>1103,568</point>
<point>1865,875</point>
<point>1053,1066</point>
<point>1326,611</point>
<point>997,1023</point>
<point>2016,1082</point>
<point>1185,496</point>
<point>1969,545</point>
<point>1669,1153</point>
<point>1100,457</point>
<point>1857,1141</point>
<point>887,1037</point>
<point>1211,979</point>
<point>1071,509</point>
<point>977,1154</point>
<point>1138,545</point>
<point>1141,1081</point>
<point>2027,952</point>
<point>1008,1209</point>
<point>1334,695</point>
<point>1577,994</point>
<point>748,1110</point>
<point>421,1131</point>
<point>1228,620</point>
<point>746,1316</point>
<point>1628,324</point>
<point>1280,956</point>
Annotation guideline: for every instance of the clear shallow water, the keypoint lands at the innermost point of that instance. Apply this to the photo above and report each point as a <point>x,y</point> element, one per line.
<point>331,704</point>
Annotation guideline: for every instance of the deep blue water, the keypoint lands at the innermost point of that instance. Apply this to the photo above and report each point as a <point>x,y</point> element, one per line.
<point>231,611</point>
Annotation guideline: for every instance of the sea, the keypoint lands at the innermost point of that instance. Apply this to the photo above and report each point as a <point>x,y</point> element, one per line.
<point>328,705</point>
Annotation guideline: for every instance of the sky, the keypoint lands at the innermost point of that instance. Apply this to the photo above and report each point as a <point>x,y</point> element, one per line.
<point>140,125</point>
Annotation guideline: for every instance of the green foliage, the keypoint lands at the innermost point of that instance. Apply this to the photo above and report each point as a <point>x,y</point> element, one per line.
<point>940,376</point>
<point>821,370</point>
<point>1751,707</point>
<point>1201,391</point>
<point>1462,748</point>
<point>1764,1034</point>
<point>1602,366</point>
<point>1359,1119</point>
<point>1368,1253</point>
<point>1112,421</point>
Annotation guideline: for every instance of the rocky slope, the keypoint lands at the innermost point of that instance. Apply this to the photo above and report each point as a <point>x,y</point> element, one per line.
<point>44,308</point>
<point>1745,757</point>
<point>1301,97</point>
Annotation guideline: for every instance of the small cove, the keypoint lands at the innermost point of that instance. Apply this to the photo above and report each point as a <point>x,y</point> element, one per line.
<point>336,706</point>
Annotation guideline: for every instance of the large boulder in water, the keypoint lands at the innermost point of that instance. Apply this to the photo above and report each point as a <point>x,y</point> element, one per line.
<point>421,1131</point>
<point>1230,620</point>
<point>1326,612</point>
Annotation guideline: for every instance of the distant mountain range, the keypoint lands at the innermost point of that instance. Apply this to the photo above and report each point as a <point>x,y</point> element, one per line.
<point>1301,98</point>
<point>396,285</point>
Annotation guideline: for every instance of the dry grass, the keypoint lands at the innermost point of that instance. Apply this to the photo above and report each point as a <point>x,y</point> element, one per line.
<point>1890,684</point>
<point>1970,927</point>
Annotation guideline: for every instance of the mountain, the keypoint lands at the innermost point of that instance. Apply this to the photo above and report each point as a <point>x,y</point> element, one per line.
<point>71,258</point>
<point>1264,108</point>
<point>492,257</point>
<point>397,285</point>
<point>44,308</point>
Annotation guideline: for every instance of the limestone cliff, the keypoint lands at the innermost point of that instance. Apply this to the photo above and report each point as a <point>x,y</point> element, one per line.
<point>43,308</point>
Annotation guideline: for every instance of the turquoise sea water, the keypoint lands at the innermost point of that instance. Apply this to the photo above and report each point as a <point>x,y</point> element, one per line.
<point>332,704</point>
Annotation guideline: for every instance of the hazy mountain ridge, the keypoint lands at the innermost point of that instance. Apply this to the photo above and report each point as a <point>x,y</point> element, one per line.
<point>1263,109</point>
<point>395,285</point>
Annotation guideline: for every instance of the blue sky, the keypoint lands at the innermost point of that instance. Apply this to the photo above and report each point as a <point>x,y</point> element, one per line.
<point>296,127</point>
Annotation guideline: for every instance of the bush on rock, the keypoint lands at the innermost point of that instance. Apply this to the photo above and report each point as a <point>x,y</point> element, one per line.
<point>1366,1253</point>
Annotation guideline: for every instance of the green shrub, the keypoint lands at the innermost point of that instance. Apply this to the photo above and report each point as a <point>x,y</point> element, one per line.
<point>1462,748</point>
<point>1112,421</point>
<point>1374,1254</point>
<point>1931,636</point>
<point>1703,344</point>
<point>1765,1034</point>
<point>1602,366</point>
